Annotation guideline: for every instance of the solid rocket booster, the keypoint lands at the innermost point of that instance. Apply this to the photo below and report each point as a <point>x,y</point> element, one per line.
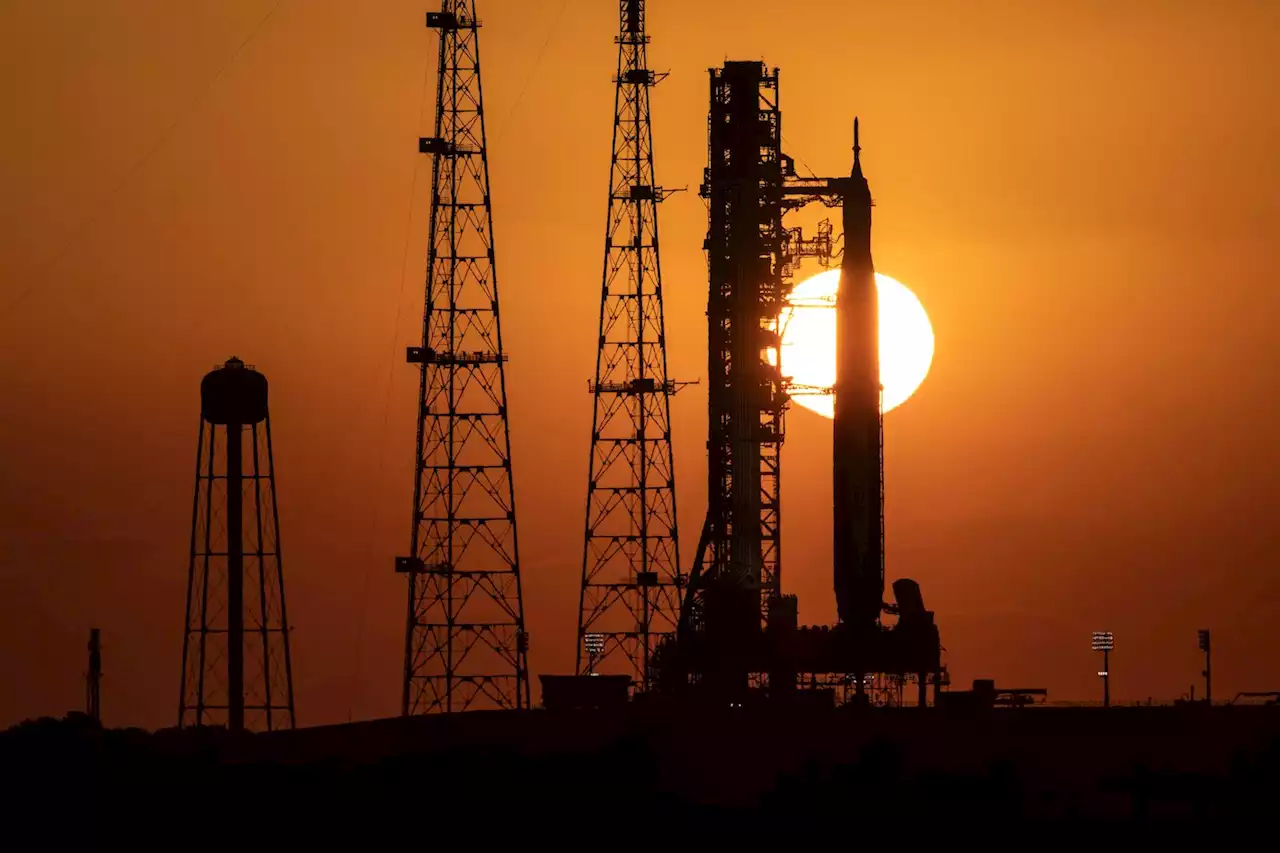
<point>858,446</point>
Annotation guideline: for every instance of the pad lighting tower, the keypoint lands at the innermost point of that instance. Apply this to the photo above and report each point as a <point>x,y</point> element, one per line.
<point>594,645</point>
<point>631,575</point>
<point>1104,641</point>
<point>236,665</point>
<point>465,642</point>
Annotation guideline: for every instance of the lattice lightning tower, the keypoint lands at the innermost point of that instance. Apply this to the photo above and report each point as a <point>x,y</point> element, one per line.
<point>631,576</point>
<point>465,643</point>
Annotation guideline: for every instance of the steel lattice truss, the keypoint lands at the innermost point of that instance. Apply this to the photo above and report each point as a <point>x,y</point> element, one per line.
<point>206,694</point>
<point>631,576</point>
<point>465,643</point>
<point>741,542</point>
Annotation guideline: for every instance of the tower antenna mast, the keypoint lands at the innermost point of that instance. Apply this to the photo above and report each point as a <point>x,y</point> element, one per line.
<point>465,641</point>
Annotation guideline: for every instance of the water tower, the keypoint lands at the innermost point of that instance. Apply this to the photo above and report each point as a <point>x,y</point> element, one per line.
<point>236,669</point>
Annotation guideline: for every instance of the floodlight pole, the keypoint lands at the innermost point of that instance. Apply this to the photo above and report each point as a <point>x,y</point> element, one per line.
<point>1106,678</point>
<point>594,645</point>
<point>1206,647</point>
<point>93,704</point>
<point>1104,641</point>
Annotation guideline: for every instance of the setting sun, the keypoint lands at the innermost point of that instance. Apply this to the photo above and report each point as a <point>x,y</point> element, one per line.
<point>809,341</point>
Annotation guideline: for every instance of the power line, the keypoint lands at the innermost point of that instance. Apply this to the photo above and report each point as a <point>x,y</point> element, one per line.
<point>528,77</point>
<point>386,407</point>
<point>92,219</point>
<point>787,142</point>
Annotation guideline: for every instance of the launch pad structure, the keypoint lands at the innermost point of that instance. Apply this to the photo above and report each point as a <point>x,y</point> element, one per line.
<point>723,632</point>
<point>739,637</point>
<point>726,630</point>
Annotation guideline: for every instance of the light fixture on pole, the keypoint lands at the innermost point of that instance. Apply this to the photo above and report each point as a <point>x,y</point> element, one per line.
<point>1208,670</point>
<point>1104,641</point>
<point>594,645</point>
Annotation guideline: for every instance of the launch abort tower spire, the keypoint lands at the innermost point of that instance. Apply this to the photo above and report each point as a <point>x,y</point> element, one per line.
<point>236,666</point>
<point>465,643</point>
<point>631,575</point>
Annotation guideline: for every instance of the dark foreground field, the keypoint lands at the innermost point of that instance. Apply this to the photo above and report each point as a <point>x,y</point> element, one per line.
<point>815,764</point>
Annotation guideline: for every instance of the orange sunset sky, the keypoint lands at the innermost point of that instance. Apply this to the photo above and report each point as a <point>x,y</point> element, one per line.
<point>1084,194</point>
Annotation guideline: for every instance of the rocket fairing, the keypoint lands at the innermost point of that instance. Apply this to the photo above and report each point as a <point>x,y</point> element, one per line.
<point>858,469</point>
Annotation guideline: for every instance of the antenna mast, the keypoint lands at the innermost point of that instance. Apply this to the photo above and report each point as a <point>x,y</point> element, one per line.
<point>93,697</point>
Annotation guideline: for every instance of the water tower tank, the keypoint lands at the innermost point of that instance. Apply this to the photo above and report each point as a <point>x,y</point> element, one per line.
<point>234,394</point>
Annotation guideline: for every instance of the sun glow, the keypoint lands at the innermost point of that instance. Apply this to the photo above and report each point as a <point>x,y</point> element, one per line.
<point>809,341</point>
